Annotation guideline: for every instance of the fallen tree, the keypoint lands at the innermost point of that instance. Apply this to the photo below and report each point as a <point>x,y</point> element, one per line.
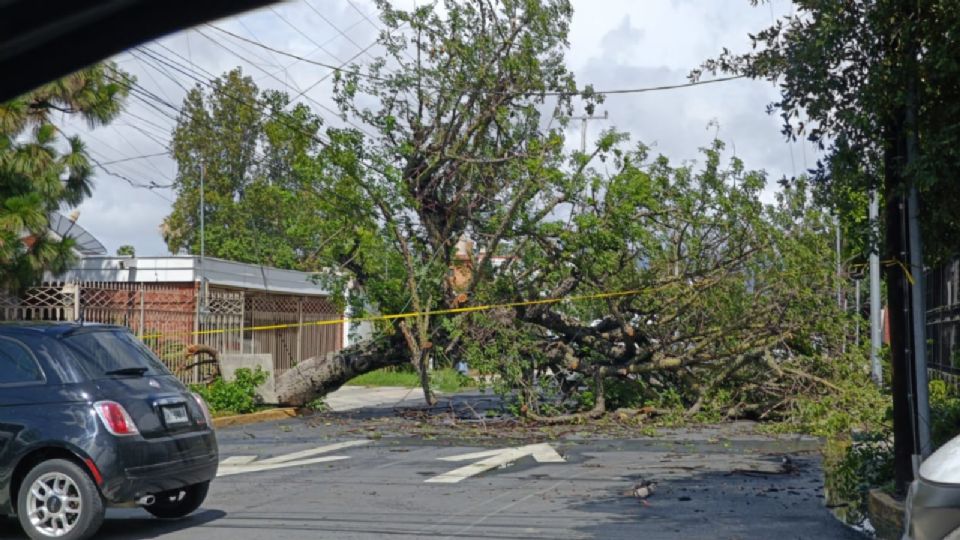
<point>452,188</point>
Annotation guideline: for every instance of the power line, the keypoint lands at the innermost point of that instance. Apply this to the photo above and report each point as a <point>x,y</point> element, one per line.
<point>651,88</point>
<point>639,90</point>
<point>326,20</point>
<point>145,156</point>
<point>134,148</point>
<point>163,129</point>
<point>252,34</point>
<point>310,99</point>
<point>325,43</point>
<point>328,75</point>
<point>121,153</point>
<point>184,70</point>
<point>362,14</point>
<point>150,186</point>
<point>148,135</point>
<point>161,70</point>
<point>298,57</point>
<point>302,33</point>
<point>174,65</point>
<point>375,25</point>
<point>150,101</point>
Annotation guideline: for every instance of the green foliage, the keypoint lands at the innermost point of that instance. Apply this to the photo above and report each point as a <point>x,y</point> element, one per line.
<point>318,405</point>
<point>944,412</point>
<point>126,250</point>
<point>853,467</point>
<point>622,393</point>
<point>855,404</point>
<point>238,396</point>
<point>38,178</point>
<point>257,154</point>
<point>449,380</point>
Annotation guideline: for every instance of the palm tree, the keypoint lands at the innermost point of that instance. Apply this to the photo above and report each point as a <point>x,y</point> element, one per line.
<point>37,179</point>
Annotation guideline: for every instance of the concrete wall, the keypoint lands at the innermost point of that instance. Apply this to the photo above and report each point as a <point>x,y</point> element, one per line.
<point>230,363</point>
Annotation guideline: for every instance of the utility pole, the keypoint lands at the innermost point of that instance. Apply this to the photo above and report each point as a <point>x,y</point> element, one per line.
<point>583,127</point>
<point>202,304</point>
<point>918,308</point>
<point>202,211</point>
<point>905,276</point>
<point>875,320</point>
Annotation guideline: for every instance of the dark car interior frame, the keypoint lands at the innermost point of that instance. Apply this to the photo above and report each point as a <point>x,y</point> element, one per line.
<point>42,40</point>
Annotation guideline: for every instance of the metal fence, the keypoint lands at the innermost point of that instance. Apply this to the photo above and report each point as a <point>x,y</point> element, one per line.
<point>943,317</point>
<point>170,317</point>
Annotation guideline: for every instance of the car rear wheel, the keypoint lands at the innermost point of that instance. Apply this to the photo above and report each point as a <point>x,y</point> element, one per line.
<point>179,502</point>
<point>58,499</point>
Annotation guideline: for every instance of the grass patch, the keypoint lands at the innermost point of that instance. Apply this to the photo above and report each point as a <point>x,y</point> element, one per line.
<point>449,380</point>
<point>444,380</point>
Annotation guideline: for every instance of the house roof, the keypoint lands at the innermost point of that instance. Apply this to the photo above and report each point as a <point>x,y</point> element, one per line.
<point>189,269</point>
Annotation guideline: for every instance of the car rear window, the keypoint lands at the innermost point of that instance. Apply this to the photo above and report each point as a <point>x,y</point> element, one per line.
<point>102,351</point>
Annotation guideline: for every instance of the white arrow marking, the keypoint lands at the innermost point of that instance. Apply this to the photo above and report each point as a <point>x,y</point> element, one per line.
<point>543,453</point>
<point>247,464</point>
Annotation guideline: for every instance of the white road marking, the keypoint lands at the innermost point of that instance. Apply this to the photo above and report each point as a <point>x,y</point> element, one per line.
<point>237,460</point>
<point>314,451</point>
<point>248,464</point>
<point>490,459</point>
<point>257,467</point>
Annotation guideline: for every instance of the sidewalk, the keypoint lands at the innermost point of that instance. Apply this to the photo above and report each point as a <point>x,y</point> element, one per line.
<point>348,398</point>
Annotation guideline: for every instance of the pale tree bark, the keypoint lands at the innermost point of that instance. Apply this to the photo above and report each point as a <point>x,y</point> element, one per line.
<point>317,376</point>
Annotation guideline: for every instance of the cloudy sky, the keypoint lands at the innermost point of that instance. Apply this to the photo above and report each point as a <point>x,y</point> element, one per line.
<point>613,44</point>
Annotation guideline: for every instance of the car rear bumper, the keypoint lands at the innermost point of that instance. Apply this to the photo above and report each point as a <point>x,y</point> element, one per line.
<point>150,466</point>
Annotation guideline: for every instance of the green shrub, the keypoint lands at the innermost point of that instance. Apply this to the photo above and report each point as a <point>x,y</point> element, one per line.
<point>853,466</point>
<point>238,396</point>
<point>944,412</point>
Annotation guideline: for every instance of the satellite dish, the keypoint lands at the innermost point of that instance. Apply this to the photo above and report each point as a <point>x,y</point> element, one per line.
<point>65,227</point>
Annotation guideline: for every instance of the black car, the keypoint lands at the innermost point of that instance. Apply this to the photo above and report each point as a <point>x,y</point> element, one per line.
<point>89,418</point>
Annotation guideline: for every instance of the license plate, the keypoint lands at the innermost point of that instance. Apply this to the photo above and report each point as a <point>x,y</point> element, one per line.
<point>175,415</point>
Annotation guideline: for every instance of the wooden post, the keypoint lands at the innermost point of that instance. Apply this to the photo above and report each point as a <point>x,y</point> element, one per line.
<point>243,307</point>
<point>299,329</point>
<point>140,329</point>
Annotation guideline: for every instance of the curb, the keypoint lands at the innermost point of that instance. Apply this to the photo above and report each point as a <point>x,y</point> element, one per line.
<point>886,514</point>
<point>253,418</point>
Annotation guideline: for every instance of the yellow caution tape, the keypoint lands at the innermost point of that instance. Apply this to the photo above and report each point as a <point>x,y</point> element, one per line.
<point>409,315</point>
<point>890,262</point>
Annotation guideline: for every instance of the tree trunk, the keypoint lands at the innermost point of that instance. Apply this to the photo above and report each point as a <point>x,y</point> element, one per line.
<point>317,376</point>
<point>423,367</point>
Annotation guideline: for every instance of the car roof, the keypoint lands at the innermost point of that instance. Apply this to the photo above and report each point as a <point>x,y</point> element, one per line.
<point>51,328</point>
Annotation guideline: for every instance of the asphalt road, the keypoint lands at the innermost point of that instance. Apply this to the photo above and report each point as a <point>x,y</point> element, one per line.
<point>711,483</point>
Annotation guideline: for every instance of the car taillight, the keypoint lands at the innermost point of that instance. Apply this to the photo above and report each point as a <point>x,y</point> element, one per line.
<point>115,418</point>
<point>207,418</point>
